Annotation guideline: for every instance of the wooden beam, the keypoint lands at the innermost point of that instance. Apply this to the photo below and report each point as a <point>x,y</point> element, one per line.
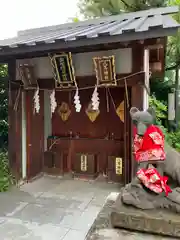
<point>100,47</point>
<point>156,46</point>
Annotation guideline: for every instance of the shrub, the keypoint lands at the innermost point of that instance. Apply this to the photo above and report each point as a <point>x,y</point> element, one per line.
<point>6,179</point>
<point>172,138</point>
<point>160,108</point>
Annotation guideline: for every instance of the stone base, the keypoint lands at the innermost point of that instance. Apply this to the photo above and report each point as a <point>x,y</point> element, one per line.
<point>159,222</point>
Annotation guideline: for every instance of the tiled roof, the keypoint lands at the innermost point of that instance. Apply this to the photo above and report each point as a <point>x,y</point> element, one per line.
<point>154,20</point>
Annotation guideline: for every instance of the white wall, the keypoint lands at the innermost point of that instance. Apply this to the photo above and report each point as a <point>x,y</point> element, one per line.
<point>47,118</point>
<point>83,63</point>
<point>24,155</point>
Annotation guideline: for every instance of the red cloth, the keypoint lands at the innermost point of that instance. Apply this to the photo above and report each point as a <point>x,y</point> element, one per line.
<point>150,146</point>
<point>153,180</point>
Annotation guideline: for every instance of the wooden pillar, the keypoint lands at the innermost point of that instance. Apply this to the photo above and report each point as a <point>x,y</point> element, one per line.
<point>146,80</point>
<point>137,94</point>
<point>14,120</point>
<point>127,139</point>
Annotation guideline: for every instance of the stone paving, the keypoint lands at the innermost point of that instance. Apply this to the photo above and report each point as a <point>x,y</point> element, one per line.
<point>57,209</point>
<point>51,208</point>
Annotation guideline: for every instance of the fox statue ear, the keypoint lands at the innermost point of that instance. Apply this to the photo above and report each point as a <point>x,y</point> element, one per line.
<point>152,112</point>
<point>133,110</point>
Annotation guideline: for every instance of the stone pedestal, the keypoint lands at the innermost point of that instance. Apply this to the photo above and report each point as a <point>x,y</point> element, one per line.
<point>156,221</point>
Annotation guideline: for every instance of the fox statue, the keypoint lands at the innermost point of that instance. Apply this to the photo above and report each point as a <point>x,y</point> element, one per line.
<point>148,140</point>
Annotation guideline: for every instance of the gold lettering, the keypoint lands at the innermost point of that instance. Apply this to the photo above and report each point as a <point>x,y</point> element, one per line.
<point>105,70</point>
<point>64,77</point>
<point>119,166</point>
<point>105,65</point>
<point>63,69</point>
<point>83,163</point>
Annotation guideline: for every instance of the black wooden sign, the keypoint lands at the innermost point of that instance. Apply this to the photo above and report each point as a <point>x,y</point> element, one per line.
<point>63,70</point>
<point>105,70</point>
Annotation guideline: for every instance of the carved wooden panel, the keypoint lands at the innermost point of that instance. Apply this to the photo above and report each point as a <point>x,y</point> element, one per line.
<point>28,76</point>
<point>85,164</point>
<point>53,162</point>
<point>48,159</point>
<point>115,169</point>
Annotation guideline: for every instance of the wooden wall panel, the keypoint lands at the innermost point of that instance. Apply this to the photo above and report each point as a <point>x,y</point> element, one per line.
<point>35,135</point>
<point>102,148</point>
<point>79,124</point>
<point>107,125</point>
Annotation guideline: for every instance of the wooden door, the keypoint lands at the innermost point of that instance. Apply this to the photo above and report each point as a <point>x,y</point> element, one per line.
<point>35,135</point>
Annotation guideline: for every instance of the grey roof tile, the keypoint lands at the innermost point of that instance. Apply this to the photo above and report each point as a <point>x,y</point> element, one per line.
<point>137,22</point>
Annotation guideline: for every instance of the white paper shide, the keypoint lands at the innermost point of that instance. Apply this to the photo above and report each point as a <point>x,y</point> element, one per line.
<point>95,100</point>
<point>53,101</point>
<point>77,101</point>
<point>36,101</point>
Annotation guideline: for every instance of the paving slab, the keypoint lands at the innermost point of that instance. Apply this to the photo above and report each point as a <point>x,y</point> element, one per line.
<point>51,208</point>
<point>74,234</point>
<point>58,209</point>
<point>14,229</point>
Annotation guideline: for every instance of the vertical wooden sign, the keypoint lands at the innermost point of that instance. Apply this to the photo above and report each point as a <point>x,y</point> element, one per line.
<point>105,70</point>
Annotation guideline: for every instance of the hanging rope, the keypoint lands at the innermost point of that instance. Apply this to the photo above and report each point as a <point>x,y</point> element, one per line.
<point>91,87</point>
<point>112,100</point>
<point>84,88</point>
<point>107,100</point>
<point>17,99</point>
<point>126,93</point>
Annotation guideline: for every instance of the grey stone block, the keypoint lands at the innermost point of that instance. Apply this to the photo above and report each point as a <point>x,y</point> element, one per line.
<point>160,222</point>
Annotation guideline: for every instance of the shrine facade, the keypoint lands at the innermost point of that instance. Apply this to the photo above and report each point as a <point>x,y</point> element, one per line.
<point>70,90</point>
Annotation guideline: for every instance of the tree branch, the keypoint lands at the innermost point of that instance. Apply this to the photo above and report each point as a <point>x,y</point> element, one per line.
<point>126,4</point>
<point>173,67</point>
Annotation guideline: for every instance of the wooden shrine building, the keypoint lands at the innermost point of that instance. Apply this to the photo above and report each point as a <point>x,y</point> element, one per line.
<point>70,90</point>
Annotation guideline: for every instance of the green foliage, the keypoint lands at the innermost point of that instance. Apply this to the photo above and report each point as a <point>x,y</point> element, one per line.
<point>75,19</point>
<point>3,107</point>
<point>96,8</point>
<point>160,108</point>
<point>160,88</point>
<point>6,179</point>
<point>173,138</point>
<point>173,47</point>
